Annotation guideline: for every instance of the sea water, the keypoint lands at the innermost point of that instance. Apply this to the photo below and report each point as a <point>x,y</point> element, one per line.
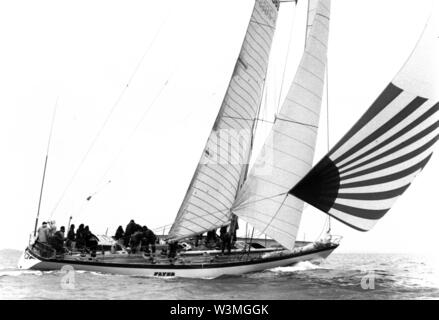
<point>341,276</point>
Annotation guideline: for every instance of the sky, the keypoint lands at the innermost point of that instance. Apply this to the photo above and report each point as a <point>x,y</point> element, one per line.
<point>155,73</point>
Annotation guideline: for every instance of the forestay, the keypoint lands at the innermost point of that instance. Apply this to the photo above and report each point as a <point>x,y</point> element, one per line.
<point>312,10</point>
<point>376,161</point>
<point>288,152</point>
<point>220,171</point>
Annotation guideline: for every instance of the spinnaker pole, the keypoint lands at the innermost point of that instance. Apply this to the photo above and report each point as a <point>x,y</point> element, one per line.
<point>45,167</point>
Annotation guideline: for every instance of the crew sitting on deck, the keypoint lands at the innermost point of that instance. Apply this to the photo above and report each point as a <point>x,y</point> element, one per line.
<point>71,238</point>
<point>211,239</point>
<point>80,237</point>
<point>129,230</point>
<point>223,231</point>
<point>119,236</point>
<point>172,250</point>
<point>149,238</point>
<point>57,241</point>
<point>91,241</point>
<point>226,239</point>
<point>198,239</point>
<point>234,231</point>
<point>226,242</point>
<point>136,240</point>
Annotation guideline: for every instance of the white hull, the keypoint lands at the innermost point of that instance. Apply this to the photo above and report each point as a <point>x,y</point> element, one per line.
<point>30,261</point>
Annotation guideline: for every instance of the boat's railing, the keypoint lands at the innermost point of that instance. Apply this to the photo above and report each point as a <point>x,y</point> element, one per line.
<point>43,250</point>
<point>163,230</point>
<point>329,240</point>
<point>335,239</point>
<point>218,257</point>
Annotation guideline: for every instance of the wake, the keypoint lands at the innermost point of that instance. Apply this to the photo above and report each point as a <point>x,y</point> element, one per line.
<point>300,266</point>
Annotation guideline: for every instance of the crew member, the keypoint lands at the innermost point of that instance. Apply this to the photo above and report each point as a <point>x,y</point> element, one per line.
<point>149,238</point>
<point>43,233</point>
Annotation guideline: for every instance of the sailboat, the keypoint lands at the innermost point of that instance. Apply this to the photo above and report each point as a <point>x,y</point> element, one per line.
<point>357,182</point>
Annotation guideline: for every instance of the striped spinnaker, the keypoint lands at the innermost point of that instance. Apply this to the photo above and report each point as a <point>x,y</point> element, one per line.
<point>376,161</point>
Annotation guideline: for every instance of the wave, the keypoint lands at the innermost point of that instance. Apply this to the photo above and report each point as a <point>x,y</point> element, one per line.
<point>10,252</point>
<point>17,273</point>
<point>300,266</point>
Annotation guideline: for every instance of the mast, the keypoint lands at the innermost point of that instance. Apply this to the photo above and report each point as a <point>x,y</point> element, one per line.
<point>45,168</point>
<point>41,195</point>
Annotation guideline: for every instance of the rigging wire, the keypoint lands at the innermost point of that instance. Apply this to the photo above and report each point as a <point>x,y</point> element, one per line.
<point>136,128</point>
<point>327,108</point>
<point>109,115</point>
<point>262,199</point>
<point>327,225</point>
<point>125,144</point>
<point>277,212</point>
<point>225,210</point>
<point>327,124</point>
<point>91,196</point>
<point>286,57</point>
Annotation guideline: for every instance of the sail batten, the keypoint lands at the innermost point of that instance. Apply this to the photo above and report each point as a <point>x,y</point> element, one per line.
<point>288,152</point>
<point>365,173</point>
<point>220,171</point>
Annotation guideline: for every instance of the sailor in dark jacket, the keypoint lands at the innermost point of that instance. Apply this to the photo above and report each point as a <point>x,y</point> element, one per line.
<point>149,238</point>
<point>91,241</point>
<point>226,239</point>
<point>119,234</point>
<point>80,237</point>
<point>58,240</point>
<point>172,250</point>
<point>71,238</point>
<point>129,230</point>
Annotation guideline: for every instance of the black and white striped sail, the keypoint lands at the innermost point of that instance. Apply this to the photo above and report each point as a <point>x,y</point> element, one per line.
<point>376,161</point>
<point>221,169</point>
<point>288,152</point>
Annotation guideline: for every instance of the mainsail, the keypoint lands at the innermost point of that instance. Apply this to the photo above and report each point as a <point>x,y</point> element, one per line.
<point>359,180</point>
<point>220,171</point>
<point>288,152</point>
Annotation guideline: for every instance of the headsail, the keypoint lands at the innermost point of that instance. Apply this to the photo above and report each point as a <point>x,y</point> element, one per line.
<point>219,174</point>
<point>288,152</point>
<point>375,162</point>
